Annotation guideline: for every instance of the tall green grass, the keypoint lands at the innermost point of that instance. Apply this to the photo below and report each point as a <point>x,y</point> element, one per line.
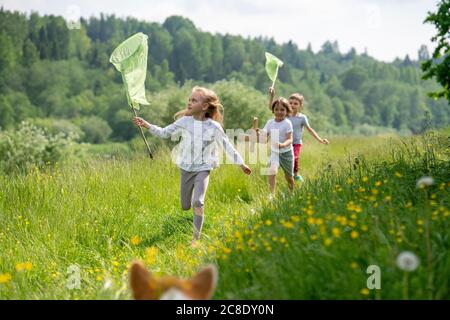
<point>102,214</point>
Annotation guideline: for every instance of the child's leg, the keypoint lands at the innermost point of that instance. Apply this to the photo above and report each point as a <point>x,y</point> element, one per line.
<point>198,200</point>
<point>297,148</point>
<point>290,181</point>
<point>272,183</point>
<point>187,180</point>
<point>287,164</point>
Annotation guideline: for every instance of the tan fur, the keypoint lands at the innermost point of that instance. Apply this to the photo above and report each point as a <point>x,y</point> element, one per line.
<point>147,287</point>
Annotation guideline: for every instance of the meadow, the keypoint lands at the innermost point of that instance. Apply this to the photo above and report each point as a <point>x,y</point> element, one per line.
<point>358,206</point>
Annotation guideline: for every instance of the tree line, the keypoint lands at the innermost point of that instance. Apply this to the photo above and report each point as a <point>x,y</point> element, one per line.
<point>61,77</point>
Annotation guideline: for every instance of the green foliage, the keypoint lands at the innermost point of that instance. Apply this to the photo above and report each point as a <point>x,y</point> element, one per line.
<point>439,66</point>
<point>29,146</point>
<point>66,74</point>
<point>96,130</point>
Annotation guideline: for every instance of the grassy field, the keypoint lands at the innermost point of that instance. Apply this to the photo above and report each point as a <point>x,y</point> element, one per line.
<point>358,206</point>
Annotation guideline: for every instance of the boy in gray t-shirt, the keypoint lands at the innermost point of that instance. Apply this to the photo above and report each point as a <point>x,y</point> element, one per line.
<point>298,120</point>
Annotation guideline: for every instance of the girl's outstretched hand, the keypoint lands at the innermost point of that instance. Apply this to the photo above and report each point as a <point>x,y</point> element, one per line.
<point>325,141</point>
<point>141,122</point>
<point>246,169</point>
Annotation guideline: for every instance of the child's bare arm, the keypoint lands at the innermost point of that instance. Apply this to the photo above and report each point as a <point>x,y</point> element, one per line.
<point>288,141</point>
<point>315,135</point>
<point>271,95</point>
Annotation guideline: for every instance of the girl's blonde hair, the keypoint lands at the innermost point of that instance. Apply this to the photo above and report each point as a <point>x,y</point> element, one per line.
<point>284,103</point>
<point>215,108</point>
<point>298,97</point>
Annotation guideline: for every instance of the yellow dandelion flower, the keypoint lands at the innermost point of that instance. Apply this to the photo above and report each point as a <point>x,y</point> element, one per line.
<point>135,240</point>
<point>349,181</point>
<point>420,230</point>
<point>365,179</point>
<point>313,237</point>
<point>99,278</point>
<point>295,218</point>
<point>353,265</point>
<point>352,224</point>
<point>336,232</point>
<point>268,223</point>
<point>20,266</point>
<point>288,225</point>
<point>309,212</point>
<point>364,228</point>
<point>387,198</point>
<point>354,234</point>
<point>327,242</point>
<point>5,277</point>
<point>311,220</point>
<point>226,250</point>
<point>283,240</point>
<point>28,266</point>
<point>364,291</point>
<point>378,183</point>
<point>398,174</point>
<point>150,255</point>
<point>319,221</point>
<point>375,192</point>
<point>420,222</point>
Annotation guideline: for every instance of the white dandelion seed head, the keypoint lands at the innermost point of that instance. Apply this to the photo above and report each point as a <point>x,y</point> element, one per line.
<point>107,284</point>
<point>424,182</point>
<point>407,261</point>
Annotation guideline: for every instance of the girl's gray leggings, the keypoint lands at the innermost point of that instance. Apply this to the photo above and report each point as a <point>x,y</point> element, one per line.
<point>193,187</point>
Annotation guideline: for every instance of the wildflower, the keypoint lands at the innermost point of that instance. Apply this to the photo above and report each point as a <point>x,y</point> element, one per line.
<point>295,218</point>
<point>364,291</point>
<point>407,261</point>
<point>311,220</point>
<point>268,222</point>
<point>24,266</point>
<point>398,174</point>
<point>353,265</point>
<point>336,232</point>
<point>349,181</point>
<point>365,179</point>
<point>135,240</point>
<point>354,234</point>
<point>313,237</point>
<point>378,183</point>
<point>288,225</point>
<point>364,228</point>
<point>424,182</point>
<point>5,277</point>
<point>420,222</point>
<point>327,242</point>
<point>150,255</point>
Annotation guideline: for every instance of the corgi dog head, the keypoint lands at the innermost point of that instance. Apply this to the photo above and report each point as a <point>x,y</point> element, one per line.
<point>147,287</point>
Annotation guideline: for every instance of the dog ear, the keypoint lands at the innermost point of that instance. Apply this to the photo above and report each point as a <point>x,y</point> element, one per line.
<point>140,282</point>
<point>203,284</point>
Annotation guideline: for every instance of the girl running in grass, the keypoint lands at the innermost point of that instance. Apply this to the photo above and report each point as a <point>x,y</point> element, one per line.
<point>298,120</point>
<point>200,129</point>
<point>279,129</point>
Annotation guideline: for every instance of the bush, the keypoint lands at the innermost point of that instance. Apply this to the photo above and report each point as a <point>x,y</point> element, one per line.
<point>57,126</point>
<point>96,130</point>
<point>30,146</point>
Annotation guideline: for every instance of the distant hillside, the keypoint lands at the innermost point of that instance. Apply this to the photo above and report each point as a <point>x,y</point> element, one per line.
<point>50,71</point>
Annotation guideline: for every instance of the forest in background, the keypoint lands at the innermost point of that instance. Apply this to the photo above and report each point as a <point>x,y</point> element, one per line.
<point>61,79</point>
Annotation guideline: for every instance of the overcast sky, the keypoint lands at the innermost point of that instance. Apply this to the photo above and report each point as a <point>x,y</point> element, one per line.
<point>387,28</point>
